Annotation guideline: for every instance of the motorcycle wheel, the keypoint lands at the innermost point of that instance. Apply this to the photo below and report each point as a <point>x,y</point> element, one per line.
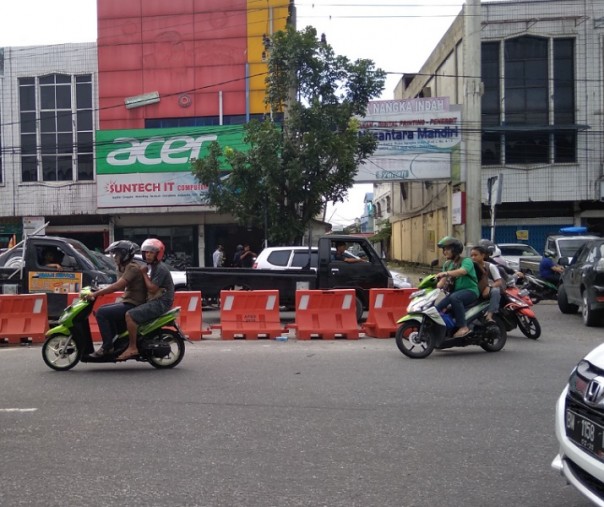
<point>529,326</point>
<point>177,346</point>
<point>61,352</point>
<point>410,341</point>
<point>498,338</point>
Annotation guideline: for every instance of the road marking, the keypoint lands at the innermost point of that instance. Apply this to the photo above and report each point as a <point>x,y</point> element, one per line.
<point>18,409</point>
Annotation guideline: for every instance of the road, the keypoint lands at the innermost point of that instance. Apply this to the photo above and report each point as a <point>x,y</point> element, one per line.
<point>296,423</point>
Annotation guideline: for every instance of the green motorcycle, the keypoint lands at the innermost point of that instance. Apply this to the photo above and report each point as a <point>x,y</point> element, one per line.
<point>160,341</point>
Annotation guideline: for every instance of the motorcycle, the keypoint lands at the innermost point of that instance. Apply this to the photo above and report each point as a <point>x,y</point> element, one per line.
<point>540,289</point>
<point>160,341</point>
<point>424,328</point>
<point>515,310</point>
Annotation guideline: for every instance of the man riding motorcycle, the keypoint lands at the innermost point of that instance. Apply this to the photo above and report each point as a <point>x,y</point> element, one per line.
<point>160,289</point>
<point>465,289</point>
<point>549,270</point>
<point>111,317</point>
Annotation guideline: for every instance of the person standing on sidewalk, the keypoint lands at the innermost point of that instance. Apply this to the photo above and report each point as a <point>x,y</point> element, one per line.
<point>218,257</point>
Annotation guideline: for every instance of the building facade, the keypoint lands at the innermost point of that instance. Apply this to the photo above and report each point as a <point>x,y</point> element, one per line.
<point>98,139</point>
<point>541,126</point>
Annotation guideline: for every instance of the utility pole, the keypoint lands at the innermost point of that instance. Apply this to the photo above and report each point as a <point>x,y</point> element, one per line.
<point>471,122</point>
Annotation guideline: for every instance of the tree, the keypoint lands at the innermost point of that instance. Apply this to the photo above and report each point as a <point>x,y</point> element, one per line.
<point>306,152</point>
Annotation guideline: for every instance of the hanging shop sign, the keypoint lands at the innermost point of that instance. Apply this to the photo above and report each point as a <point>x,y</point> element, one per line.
<point>152,167</point>
<point>414,139</point>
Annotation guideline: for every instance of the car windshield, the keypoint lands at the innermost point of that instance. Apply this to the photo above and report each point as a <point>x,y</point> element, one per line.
<point>103,260</point>
<point>568,247</point>
<point>95,263</point>
<point>518,250</point>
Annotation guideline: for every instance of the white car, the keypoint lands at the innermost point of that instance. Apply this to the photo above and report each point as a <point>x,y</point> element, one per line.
<point>511,253</point>
<point>296,257</point>
<point>580,427</point>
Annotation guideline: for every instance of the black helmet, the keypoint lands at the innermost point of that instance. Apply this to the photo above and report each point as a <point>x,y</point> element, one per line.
<point>455,245</point>
<point>123,250</point>
<point>489,245</point>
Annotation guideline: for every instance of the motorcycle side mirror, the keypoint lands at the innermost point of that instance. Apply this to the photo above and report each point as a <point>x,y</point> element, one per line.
<point>434,263</point>
<point>563,261</point>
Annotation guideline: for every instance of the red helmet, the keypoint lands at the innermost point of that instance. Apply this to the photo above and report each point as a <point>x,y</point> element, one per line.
<point>154,245</point>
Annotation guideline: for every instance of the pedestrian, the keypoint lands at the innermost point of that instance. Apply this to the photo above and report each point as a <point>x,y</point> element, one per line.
<point>218,256</point>
<point>237,256</point>
<point>247,257</point>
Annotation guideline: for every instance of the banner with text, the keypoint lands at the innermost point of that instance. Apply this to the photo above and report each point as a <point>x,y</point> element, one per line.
<point>152,167</point>
<point>415,139</point>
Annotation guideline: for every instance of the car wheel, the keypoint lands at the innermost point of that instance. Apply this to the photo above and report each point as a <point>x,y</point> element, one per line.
<point>590,317</point>
<point>563,304</point>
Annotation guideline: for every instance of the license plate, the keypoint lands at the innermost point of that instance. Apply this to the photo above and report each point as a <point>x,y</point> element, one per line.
<point>585,433</point>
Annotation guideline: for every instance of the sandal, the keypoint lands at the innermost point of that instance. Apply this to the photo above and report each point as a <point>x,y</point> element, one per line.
<point>124,356</point>
<point>460,334</point>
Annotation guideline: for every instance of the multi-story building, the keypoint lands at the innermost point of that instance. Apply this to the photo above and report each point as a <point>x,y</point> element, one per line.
<point>98,139</point>
<point>541,125</point>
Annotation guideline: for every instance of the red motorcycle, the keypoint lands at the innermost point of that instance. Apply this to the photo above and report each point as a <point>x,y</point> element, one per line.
<point>515,310</point>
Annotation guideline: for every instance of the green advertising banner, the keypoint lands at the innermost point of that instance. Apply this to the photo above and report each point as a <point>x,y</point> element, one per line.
<point>161,150</point>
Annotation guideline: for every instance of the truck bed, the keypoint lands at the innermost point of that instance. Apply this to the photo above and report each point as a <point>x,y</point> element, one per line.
<point>210,281</point>
<point>529,264</point>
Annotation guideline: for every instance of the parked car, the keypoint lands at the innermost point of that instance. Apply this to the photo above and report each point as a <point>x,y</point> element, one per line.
<point>296,257</point>
<point>582,283</point>
<point>579,423</point>
<point>511,253</point>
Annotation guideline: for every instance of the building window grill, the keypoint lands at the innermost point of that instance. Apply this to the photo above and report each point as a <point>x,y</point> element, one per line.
<point>525,126</point>
<point>57,135</point>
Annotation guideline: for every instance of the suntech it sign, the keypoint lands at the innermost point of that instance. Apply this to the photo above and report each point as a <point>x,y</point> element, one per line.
<point>152,167</point>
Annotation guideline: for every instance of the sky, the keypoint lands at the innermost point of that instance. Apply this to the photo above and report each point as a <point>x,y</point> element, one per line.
<point>398,35</point>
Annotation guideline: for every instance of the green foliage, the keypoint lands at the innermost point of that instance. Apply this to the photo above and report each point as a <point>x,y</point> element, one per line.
<point>384,233</point>
<point>292,170</point>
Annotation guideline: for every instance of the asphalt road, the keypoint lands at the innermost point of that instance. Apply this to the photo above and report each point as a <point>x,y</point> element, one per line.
<point>296,423</point>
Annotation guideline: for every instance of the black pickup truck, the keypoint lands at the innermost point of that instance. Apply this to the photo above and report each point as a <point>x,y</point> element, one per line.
<point>328,274</point>
<point>52,265</point>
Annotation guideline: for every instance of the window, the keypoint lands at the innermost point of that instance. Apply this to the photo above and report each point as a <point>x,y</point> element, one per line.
<point>56,128</point>
<point>523,127</point>
<point>279,258</point>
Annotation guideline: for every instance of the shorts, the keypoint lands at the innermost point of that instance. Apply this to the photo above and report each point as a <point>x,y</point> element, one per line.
<point>148,311</point>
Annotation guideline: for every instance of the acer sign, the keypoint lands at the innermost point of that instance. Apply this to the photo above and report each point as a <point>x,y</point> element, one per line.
<point>152,167</point>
